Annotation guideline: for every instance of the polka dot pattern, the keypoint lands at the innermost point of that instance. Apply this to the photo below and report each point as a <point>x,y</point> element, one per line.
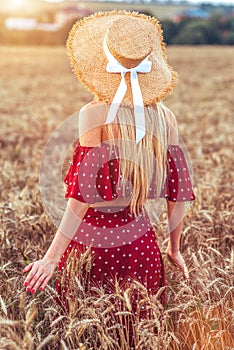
<point>134,254</point>
<point>178,186</point>
<point>123,247</point>
<point>93,175</point>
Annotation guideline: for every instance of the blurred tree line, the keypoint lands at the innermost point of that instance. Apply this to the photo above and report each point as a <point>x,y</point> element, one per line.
<point>215,30</point>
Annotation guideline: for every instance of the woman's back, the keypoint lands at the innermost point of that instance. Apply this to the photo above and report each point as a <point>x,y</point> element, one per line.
<point>143,164</point>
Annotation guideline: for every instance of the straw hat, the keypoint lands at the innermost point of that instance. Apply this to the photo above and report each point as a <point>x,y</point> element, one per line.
<point>130,37</point>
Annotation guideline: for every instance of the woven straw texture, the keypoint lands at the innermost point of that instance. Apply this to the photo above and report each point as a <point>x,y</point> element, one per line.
<point>130,38</point>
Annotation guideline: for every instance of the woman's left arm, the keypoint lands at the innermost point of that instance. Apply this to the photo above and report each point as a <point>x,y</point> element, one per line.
<point>42,270</point>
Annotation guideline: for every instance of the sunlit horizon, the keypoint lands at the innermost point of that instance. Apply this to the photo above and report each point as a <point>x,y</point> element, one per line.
<point>20,4</point>
<point>32,6</point>
<point>16,3</point>
<point>226,2</point>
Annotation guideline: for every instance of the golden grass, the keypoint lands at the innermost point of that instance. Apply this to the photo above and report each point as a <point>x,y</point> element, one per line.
<point>38,91</point>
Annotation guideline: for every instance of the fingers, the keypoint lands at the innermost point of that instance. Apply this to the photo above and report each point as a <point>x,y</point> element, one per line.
<point>28,267</point>
<point>39,282</point>
<point>29,279</point>
<point>179,262</point>
<point>185,272</point>
<point>36,280</point>
<point>45,282</point>
<point>184,269</point>
<point>40,273</point>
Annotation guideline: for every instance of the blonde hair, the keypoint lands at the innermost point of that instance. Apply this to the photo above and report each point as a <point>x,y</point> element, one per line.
<point>145,162</point>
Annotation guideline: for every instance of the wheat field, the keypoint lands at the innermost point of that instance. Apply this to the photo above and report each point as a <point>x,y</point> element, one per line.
<point>38,92</point>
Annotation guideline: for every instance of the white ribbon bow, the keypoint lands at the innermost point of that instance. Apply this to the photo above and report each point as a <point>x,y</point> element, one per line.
<point>114,66</point>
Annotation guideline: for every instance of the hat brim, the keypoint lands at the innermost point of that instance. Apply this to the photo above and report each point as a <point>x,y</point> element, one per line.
<point>88,60</point>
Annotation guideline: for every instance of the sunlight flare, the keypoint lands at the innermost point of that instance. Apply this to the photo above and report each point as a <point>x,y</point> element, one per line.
<point>16,3</point>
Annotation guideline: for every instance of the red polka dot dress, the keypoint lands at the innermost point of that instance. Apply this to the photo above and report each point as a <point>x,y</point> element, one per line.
<point>123,246</point>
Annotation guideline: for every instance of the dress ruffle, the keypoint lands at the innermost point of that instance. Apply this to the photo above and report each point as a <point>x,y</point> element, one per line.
<point>178,186</point>
<point>94,172</point>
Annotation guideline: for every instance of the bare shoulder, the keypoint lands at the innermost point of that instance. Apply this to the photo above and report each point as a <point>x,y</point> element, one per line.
<point>91,120</point>
<point>94,110</point>
<point>91,105</point>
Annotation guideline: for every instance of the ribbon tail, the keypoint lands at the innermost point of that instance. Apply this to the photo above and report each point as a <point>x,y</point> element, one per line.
<point>121,91</point>
<point>138,107</point>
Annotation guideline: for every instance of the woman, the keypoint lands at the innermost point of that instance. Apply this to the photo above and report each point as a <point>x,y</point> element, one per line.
<point>128,152</point>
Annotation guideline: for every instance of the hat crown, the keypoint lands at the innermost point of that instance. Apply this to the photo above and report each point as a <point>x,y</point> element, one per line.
<point>128,40</point>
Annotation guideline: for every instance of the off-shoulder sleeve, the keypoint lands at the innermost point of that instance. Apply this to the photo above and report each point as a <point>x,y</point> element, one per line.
<point>92,175</point>
<point>178,185</point>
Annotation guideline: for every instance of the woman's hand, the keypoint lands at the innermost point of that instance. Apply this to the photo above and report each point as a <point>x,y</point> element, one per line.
<point>177,259</point>
<point>41,272</point>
